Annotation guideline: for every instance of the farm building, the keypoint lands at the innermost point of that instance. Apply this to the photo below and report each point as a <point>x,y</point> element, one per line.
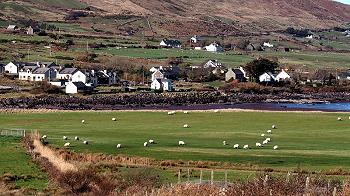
<point>170,43</point>
<point>66,73</point>
<point>212,64</point>
<point>162,84</point>
<point>214,47</point>
<point>282,76</point>
<point>195,39</point>
<point>157,75</point>
<point>267,77</point>
<point>344,76</point>
<point>268,45</point>
<point>12,28</point>
<point>234,74</point>
<point>77,87</point>
<point>30,31</point>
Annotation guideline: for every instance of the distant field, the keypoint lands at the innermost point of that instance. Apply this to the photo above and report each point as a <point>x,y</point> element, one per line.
<point>14,161</point>
<point>315,141</point>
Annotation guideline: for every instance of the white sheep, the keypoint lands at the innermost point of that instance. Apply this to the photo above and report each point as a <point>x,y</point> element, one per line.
<point>171,113</point>
<point>44,137</point>
<point>145,144</point>
<point>258,145</point>
<point>119,145</point>
<point>265,142</point>
<point>181,143</point>
<point>275,147</point>
<point>339,119</point>
<point>76,138</point>
<point>236,146</point>
<point>216,111</point>
<point>269,131</point>
<point>86,142</point>
<point>274,127</point>
<point>114,119</point>
<point>268,139</point>
<point>66,144</point>
<point>186,126</point>
<point>185,112</point>
<point>151,141</point>
<point>224,143</point>
<point>83,121</point>
<point>65,137</point>
<point>246,146</point>
<point>263,135</point>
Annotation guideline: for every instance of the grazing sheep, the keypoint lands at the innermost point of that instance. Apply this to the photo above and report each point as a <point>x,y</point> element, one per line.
<point>65,137</point>
<point>216,111</point>
<point>185,112</point>
<point>275,147</point>
<point>66,144</point>
<point>269,131</point>
<point>265,142</point>
<point>224,143</point>
<point>263,135</point>
<point>274,127</point>
<point>114,119</point>
<point>236,146</point>
<point>151,141</point>
<point>119,145</point>
<point>145,144</point>
<point>186,126</point>
<point>76,138</point>
<point>258,145</point>
<point>181,143</point>
<point>44,137</point>
<point>268,139</point>
<point>339,119</point>
<point>246,146</point>
<point>171,113</point>
<point>83,121</point>
<point>86,142</point>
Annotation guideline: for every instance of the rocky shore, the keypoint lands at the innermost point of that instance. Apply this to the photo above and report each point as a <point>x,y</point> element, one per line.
<point>201,100</point>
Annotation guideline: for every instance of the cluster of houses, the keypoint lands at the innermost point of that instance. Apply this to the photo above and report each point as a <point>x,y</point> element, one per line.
<point>15,29</point>
<point>73,80</point>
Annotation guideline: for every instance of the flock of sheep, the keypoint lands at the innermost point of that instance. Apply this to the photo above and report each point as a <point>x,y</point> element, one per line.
<point>266,141</point>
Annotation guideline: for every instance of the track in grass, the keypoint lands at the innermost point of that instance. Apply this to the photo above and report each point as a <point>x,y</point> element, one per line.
<point>314,141</point>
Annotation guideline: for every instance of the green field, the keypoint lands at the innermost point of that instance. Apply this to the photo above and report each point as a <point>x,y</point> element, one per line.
<point>15,162</point>
<point>315,141</point>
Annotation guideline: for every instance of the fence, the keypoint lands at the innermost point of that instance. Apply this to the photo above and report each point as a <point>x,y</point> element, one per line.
<point>13,132</point>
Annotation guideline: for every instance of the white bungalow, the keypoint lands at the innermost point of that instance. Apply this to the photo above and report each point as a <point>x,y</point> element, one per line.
<point>214,47</point>
<point>76,87</point>
<point>162,84</point>
<point>11,68</point>
<point>268,45</point>
<point>267,77</point>
<point>283,75</point>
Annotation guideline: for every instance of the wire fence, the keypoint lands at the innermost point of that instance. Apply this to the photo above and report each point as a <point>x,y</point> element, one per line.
<point>13,132</point>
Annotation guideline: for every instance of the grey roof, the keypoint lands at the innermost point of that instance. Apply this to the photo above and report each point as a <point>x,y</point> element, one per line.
<point>344,75</point>
<point>172,42</point>
<point>41,70</point>
<point>31,68</point>
<point>79,85</point>
<point>22,64</point>
<point>68,71</point>
<point>238,71</point>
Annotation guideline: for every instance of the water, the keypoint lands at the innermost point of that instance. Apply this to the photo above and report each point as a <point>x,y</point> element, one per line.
<point>321,106</point>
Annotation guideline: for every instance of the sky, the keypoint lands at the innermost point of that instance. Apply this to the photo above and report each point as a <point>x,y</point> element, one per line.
<point>344,1</point>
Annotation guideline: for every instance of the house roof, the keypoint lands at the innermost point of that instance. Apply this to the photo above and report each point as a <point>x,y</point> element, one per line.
<point>237,71</point>
<point>79,85</point>
<point>172,42</point>
<point>41,70</point>
<point>68,71</point>
<point>344,75</point>
<point>31,68</point>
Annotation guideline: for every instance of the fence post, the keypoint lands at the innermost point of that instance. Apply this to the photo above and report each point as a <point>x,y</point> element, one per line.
<point>329,185</point>
<point>188,175</point>
<point>200,177</point>
<point>225,178</point>
<point>179,177</point>
<point>212,177</point>
<point>307,184</point>
<point>287,178</point>
<point>335,191</point>
<point>265,180</point>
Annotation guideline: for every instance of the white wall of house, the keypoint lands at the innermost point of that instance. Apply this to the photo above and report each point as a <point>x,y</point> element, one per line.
<point>71,88</point>
<point>266,78</point>
<point>25,75</point>
<point>79,77</point>
<point>283,75</point>
<point>214,48</point>
<point>11,68</point>
<point>167,85</point>
<point>155,85</point>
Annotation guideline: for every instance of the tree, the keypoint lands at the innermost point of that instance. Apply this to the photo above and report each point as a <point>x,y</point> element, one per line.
<point>260,66</point>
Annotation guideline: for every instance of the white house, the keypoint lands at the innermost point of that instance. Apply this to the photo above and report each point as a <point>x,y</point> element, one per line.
<point>157,75</point>
<point>25,73</point>
<point>267,77</point>
<point>76,87</point>
<point>309,37</point>
<point>11,68</point>
<point>268,45</point>
<point>195,39</point>
<point>214,47</point>
<point>12,28</point>
<point>66,73</point>
<point>170,43</point>
<point>212,64</point>
<point>283,75</point>
<point>162,84</point>
<point>43,74</point>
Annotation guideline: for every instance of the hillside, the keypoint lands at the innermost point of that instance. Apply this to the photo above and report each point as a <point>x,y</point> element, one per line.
<point>186,17</point>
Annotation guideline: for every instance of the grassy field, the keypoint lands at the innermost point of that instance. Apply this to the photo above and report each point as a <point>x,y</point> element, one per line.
<point>14,161</point>
<point>307,140</point>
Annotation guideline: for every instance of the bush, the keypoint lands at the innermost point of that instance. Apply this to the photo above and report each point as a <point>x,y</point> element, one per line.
<point>44,87</point>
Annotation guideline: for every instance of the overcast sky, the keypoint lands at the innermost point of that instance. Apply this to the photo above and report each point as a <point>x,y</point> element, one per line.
<point>344,1</point>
